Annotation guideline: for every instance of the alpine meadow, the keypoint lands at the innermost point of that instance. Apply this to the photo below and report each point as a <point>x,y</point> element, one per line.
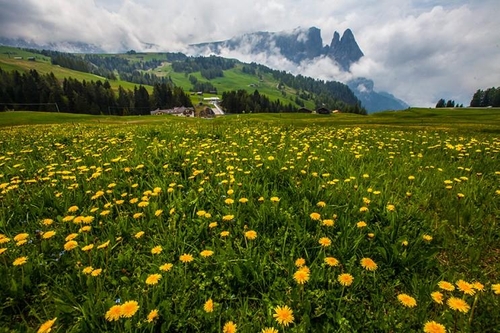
<point>250,223</point>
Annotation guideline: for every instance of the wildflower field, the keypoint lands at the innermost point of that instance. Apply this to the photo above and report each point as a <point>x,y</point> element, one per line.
<point>244,226</point>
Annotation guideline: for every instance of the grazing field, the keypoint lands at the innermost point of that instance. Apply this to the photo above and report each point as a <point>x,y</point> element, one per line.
<point>253,223</point>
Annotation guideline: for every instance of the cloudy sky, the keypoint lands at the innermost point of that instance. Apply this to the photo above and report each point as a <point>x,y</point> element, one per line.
<point>419,51</point>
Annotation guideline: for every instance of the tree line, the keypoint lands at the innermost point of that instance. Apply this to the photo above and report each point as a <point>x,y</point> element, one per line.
<point>485,98</point>
<point>90,97</point>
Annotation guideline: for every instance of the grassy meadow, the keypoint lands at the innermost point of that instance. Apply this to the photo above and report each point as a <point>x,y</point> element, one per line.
<point>251,223</point>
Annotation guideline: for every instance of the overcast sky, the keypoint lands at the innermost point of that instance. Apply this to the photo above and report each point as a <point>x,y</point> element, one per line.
<point>419,51</point>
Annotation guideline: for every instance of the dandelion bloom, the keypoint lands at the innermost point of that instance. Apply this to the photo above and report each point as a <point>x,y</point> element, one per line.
<point>427,238</point>
<point>325,241</point>
<point>363,209</point>
<point>206,253</point>
<point>20,261</point>
<point>300,262</point>
<point>212,225</point>
<point>345,279</point>
<point>478,286</point>
<point>153,279</point>
<point>48,234</point>
<point>68,218</point>
<point>368,264</point>
<point>391,208</point>
<point>251,234</point>
<point>88,270</point>
<point>331,261</point>
<point>47,326</point>
<point>261,199</point>
<point>2,250</point>
<point>87,219</point>
<point>229,327</point>
<point>86,228</point>
<point>229,201</point>
<point>158,212</point>
<point>437,297</point>
<point>243,200</point>
<point>96,272</point>
<point>315,216</point>
<point>283,315</point>
<point>465,287</point>
<point>321,204</point>
<point>70,245</point>
<point>224,233</point>
<point>139,234</point>
<point>227,217</point>
<point>152,315</point>
<point>103,245</point>
<point>433,327</point>
<point>458,304</point>
<point>129,308</point>
<point>166,267</point>
<point>274,199</point>
<point>137,215</point>
<point>185,258</point>
<point>21,237</point>
<point>114,313</point>
<point>208,306</point>
<point>328,223</point>
<point>361,224</point>
<point>445,285</point>
<point>156,250</point>
<point>88,247</point>
<point>496,288</point>
<point>73,209</point>
<point>301,276</point>
<point>70,237</point>
<point>269,330</point>
<point>407,300</point>
<point>47,221</point>
<point>404,243</point>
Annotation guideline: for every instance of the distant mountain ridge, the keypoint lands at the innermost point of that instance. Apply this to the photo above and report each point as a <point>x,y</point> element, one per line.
<point>306,44</point>
<point>296,46</point>
<point>69,47</point>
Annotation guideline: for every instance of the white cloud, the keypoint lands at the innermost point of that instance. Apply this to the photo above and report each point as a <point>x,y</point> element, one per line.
<point>418,50</point>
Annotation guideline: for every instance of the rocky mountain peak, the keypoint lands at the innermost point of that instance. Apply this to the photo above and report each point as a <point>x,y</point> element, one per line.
<point>345,51</point>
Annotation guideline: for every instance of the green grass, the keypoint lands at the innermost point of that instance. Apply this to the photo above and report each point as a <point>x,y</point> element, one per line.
<point>84,200</point>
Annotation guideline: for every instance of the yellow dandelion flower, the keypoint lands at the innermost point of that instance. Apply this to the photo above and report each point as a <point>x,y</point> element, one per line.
<point>315,216</point>
<point>73,209</point>
<point>325,241</point>
<point>345,279</point>
<point>156,250</point>
<point>229,201</point>
<point>427,238</point>
<point>96,272</point>
<point>331,261</point>
<point>87,219</point>
<point>269,330</point>
<point>70,237</point>
<point>407,300</point>
<point>47,326</point>
<point>230,192</point>
<point>206,253</point>
<point>301,276</point>
<point>166,267</point>
<point>283,315</point>
<point>137,215</point>
<point>47,222</point>
<point>103,245</point>
<point>465,287</point>
<point>22,242</point>
<point>213,225</point>
<point>445,285</point>
<point>300,262</point>
<point>251,234</point>
<point>21,237</point>
<point>4,240</point>
<point>88,247</point>
<point>143,204</point>
<point>153,279</point>
<point>478,286</point>
<point>438,297</point>
<point>2,250</point>
<point>86,228</point>
<point>361,224</point>
<point>328,222</point>
<point>321,204</point>
<point>404,243</point>
<point>139,234</point>
<point>208,306</point>
<point>227,217</point>
<point>70,245</point>
<point>114,313</point>
<point>368,264</point>
<point>229,327</point>
<point>274,199</point>
<point>88,270</point>
<point>434,327</point>
<point>363,209</point>
<point>105,212</point>
<point>243,200</point>
<point>458,304</point>
<point>20,261</point>
<point>68,218</point>
<point>152,316</point>
<point>261,199</point>
<point>391,208</point>
<point>224,233</point>
<point>158,212</point>
<point>128,309</point>
<point>185,258</point>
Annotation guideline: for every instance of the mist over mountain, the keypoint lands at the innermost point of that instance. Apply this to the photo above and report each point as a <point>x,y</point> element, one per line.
<point>305,49</point>
<point>68,46</point>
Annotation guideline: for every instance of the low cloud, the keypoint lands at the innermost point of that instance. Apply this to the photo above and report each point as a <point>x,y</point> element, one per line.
<point>418,50</point>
